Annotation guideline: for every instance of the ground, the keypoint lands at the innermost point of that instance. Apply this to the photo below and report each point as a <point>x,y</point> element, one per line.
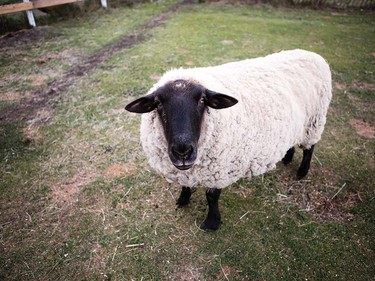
<point>79,201</point>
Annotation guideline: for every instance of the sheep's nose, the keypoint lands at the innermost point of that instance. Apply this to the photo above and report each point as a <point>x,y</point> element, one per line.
<point>182,151</point>
<point>183,154</point>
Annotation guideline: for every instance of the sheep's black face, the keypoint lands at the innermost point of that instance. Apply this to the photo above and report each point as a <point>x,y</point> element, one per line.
<point>180,109</point>
<point>181,106</point>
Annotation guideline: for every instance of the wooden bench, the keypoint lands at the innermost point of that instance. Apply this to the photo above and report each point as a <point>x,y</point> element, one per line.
<point>29,6</point>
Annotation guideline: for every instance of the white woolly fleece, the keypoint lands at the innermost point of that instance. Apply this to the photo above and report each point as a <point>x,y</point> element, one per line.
<point>283,102</point>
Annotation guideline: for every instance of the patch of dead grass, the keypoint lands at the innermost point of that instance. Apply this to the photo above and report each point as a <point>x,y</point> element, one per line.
<point>328,205</point>
<point>32,134</point>
<point>11,96</point>
<point>68,190</point>
<point>325,201</point>
<point>25,37</point>
<point>41,117</point>
<point>363,85</point>
<point>340,86</point>
<point>120,170</point>
<point>37,79</point>
<point>47,57</point>
<point>363,128</point>
<point>155,77</point>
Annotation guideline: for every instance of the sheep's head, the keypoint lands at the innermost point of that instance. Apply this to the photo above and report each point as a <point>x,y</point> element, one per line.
<point>180,106</point>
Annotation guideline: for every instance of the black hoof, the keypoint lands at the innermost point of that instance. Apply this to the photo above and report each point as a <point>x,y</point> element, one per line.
<point>301,173</point>
<point>185,195</point>
<point>211,225</point>
<point>181,202</point>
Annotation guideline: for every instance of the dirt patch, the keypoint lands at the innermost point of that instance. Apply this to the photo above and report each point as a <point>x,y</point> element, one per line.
<point>363,128</point>
<point>10,96</point>
<point>363,85</point>
<point>68,191</point>
<point>37,79</point>
<point>32,134</point>
<point>26,37</point>
<point>118,170</point>
<point>340,86</point>
<point>47,57</point>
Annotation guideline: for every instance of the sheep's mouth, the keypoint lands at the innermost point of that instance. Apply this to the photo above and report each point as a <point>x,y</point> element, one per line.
<point>183,167</point>
<point>183,164</point>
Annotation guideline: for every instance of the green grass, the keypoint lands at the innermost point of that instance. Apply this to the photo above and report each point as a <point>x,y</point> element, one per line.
<point>79,201</point>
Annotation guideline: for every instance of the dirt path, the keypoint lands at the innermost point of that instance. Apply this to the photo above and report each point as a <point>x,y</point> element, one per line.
<point>30,105</point>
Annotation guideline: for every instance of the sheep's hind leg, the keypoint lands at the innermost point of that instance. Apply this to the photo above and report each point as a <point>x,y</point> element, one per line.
<point>213,220</point>
<point>305,164</point>
<point>288,156</point>
<point>184,197</point>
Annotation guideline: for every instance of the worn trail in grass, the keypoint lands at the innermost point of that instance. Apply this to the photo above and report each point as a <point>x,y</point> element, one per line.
<point>39,98</point>
<point>78,200</point>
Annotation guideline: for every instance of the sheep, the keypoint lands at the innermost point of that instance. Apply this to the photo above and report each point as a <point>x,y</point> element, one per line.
<point>211,126</point>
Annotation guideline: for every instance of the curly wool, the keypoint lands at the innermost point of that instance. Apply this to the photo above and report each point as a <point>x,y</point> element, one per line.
<point>283,102</point>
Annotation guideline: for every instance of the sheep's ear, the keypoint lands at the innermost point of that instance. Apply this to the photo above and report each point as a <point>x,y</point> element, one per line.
<point>142,105</point>
<point>219,101</point>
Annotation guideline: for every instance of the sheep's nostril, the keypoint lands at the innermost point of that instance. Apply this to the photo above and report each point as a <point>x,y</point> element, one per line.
<point>183,154</point>
<point>183,151</point>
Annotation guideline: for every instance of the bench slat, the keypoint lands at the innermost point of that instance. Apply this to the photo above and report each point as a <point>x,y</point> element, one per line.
<point>18,7</point>
<point>13,8</point>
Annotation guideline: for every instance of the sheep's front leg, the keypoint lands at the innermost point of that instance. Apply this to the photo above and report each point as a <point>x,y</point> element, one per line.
<point>184,197</point>
<point>213,219</point>
<point>305,164</point>
<point>288,156</point>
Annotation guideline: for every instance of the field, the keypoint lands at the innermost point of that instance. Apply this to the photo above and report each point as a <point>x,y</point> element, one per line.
<point>78,200</point>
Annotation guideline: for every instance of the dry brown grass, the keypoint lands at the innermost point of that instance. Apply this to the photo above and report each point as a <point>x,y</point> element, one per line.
<point>363,128</point>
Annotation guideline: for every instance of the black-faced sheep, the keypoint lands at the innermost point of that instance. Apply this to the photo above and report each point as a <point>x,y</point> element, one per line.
<point>211,126</point>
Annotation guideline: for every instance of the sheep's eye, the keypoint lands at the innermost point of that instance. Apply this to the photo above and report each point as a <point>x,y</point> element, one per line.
<point>159,106</point>
<point>201,100</point>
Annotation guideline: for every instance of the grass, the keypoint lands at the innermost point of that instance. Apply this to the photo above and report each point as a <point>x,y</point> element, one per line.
<point>79,202</point>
